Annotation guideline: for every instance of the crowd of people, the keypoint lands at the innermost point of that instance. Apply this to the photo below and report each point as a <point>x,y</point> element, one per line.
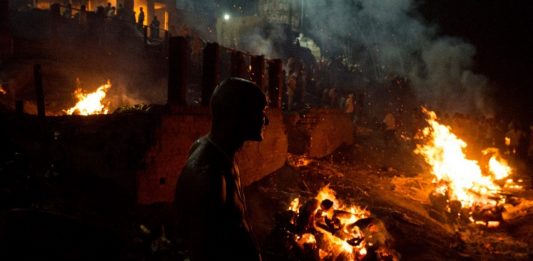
<point>115,13</point>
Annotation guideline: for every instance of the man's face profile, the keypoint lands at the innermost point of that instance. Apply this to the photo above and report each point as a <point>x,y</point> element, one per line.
<point>253,124</point>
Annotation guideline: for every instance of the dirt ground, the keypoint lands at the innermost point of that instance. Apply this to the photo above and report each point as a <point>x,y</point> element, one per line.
<point>391,184</point>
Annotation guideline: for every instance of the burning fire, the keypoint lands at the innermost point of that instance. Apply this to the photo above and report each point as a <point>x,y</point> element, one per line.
<point>336,231</point>
<point>90,103</point>
<point>457,177</point>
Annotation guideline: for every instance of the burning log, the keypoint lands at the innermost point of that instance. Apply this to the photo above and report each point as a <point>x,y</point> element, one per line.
<point>323,229</point>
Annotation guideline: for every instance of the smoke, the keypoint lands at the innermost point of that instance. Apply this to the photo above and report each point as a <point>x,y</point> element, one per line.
<point>383,38</point>
<point>390,38</point>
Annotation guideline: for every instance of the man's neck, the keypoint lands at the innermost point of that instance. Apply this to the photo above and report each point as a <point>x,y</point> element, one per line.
<point>229,145</point>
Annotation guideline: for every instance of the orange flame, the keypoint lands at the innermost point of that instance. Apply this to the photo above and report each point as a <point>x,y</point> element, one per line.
<point>335,245</point>
<point>90,103</point>
<point>463,179</point>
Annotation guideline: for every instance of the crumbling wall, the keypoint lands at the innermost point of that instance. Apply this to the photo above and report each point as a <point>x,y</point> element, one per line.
<point>318,132</point>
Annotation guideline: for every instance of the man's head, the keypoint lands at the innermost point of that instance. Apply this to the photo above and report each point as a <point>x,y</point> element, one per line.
<point>238,106</point>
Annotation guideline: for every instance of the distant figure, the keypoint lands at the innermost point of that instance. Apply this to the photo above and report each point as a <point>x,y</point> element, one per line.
<point>349,105</point>
<point>100,12</point>
<point>333,99</point>
<point>107,9</point>
<point>390,129</point>
<point>83,15</point>
<point>209,199</point>
<point>111,12</point>
<point>154,28</point>
<point>291,91</point>
<point>120,11</point>
<point>68,11</point>
<point>515,139</point>
<point>140,19</point>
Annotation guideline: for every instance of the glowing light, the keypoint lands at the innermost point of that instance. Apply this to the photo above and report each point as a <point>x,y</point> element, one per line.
<point>226,17</point>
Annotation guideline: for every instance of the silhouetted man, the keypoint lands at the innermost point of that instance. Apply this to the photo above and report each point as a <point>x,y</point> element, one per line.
<point>140,20</point>
<point>209,197</point>
<point>154,27</point>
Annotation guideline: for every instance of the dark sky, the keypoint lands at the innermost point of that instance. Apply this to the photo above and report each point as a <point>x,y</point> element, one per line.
<point>502,33</point>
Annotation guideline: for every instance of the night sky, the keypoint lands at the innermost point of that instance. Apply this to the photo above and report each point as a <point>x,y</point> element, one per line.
<point>502,33</point>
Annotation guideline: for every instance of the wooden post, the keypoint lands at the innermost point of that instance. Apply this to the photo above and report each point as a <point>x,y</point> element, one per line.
<point>258,71</point>
<point>211,67</point>
<point>238,66</point>
<point>178,55</point>
<point>39,93</point>
<point>275,82</point>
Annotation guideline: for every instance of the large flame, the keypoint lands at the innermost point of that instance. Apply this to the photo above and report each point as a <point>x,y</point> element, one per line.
<point>456,175</point>
<point>341,243</point>
<point>90,103</point>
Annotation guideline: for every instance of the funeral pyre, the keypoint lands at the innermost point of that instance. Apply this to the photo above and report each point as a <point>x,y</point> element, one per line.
<point>464,191</point>
<point>90,103</point>
<point>323,228</point>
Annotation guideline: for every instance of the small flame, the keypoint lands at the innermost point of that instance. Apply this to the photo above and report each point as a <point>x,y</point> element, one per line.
<point>90,103</point>
<point>2,90</point>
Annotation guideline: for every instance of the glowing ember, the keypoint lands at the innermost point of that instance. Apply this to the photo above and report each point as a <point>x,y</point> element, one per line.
<point>339,232</point>
<point>457,177</point>
<point>2,90</point>
<point>91,103</point>
<point>295,205</point>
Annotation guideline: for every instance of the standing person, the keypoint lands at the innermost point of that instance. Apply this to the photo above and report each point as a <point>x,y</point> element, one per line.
<point>515,140</point>
<point>154,28</point>
<point>209,198</point>
<point>390,129</point>
<point>68,11</point>
<point>140,20</point>
<point>83,15</point>
<point>349,105</point>
<point>291,90</point>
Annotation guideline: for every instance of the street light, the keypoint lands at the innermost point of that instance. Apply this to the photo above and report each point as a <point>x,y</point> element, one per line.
<point>226,17</point>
